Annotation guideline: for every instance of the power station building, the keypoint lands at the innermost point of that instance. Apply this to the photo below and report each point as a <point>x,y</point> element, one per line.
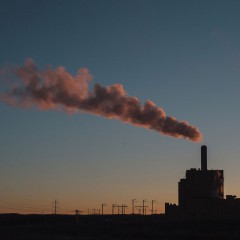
<point>201,195</point>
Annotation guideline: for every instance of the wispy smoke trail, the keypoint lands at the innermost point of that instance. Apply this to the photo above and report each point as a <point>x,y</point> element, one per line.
<point>54,88</point>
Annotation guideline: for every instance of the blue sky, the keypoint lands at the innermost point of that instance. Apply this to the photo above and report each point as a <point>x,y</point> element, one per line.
<point>183,55</point>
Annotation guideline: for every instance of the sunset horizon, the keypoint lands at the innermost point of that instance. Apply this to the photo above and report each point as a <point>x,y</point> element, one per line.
<point>103,102</point>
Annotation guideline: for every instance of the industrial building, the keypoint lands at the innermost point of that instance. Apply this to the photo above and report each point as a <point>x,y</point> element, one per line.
<point>201,195</point>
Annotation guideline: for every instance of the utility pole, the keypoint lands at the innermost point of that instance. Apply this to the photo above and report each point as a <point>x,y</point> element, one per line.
<point>118,206</point>
<point>55,206</point>
<point>145,209</point>
<point>77,213</point>
<point>113,207</point>
<point>123,208</point>
<point>103,205</point>
<point>144,206</point>
<point>133,201</point>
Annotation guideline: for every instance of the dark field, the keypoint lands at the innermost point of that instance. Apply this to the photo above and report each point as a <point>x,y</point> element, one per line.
<point>59,227</point>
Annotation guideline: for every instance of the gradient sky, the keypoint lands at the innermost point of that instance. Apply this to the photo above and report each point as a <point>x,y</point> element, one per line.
<point>183,55</point>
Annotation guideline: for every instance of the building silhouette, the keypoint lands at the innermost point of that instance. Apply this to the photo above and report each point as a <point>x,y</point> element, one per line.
<point>201,195</point>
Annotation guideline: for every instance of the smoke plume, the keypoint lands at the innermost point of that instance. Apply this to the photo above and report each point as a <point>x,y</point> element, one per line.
<point>56,88</point>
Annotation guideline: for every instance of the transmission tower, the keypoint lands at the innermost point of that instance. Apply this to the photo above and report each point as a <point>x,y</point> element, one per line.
<point>103,205</point>
<point>55,207</point>
<point>144,207</point>
<point>133,201</point>
<point>124,206</point>
<point>113,207</point>
<point>152,210</point>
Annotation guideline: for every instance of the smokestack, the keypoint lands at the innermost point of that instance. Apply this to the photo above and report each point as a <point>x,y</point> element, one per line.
<point>204,158</point>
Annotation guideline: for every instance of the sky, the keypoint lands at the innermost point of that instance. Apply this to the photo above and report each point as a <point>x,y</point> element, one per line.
<point>182,55</point>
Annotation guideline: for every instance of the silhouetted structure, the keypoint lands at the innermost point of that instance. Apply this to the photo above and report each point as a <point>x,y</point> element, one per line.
<point>201,195</point>
<point>200,183</point>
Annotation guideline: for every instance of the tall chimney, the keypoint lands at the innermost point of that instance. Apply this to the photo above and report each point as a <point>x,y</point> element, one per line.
<point>204,158</point>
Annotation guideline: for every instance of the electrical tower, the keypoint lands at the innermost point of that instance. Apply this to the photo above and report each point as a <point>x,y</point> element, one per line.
<point>144,207</point>
<point>133,201</point>
<point>55,207</point>
<point>113,207</point>
<point>124,206</point>
<point>152,211</point>
<point>103,205</point>
<point>77,213</point>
